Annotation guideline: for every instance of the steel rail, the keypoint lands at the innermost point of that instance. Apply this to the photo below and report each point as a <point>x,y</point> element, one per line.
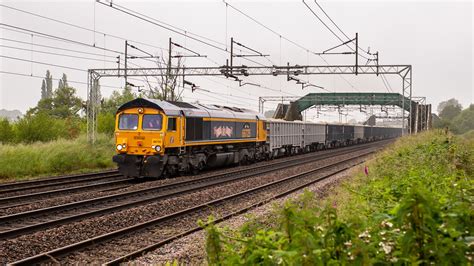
<point>53,178</point>
<point>62,251</point>
<point>63,190</point>
<point>177,188</point>
<point>44,180</point>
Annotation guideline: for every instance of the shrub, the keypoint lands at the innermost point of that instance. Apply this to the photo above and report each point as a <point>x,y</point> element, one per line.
<point>6,131</point>
<point>106,123</point>
<point>40,127</point>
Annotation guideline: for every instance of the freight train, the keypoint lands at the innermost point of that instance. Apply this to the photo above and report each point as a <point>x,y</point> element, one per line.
<point>162,138</point>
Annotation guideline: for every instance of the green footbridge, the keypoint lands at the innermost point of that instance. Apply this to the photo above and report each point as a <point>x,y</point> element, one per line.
<point>421,114</point>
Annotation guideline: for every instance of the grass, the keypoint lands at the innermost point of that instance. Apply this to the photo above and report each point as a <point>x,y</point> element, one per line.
<point>24,161</point>
<point>415,206</point>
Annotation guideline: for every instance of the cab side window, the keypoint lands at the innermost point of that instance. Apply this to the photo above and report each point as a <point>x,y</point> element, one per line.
<point>172,124</point>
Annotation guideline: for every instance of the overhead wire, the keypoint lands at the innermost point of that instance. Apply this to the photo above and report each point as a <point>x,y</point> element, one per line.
<point>58,38</point>
<point>80,27</point>
<point>384,79</point>
<point>174,29</point>
<point>320,7</point>
<point>56,48</point>
<point>42,63</point>
<point>286,39</point>
<point>57,54</point>
<point>72,41</point>
<point>385,82</point>
<point>337,36</point>
<point>36,76</point>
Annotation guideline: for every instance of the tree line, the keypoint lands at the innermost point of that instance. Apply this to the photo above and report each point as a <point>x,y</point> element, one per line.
<point>60,113</point>
<point>452,116</point>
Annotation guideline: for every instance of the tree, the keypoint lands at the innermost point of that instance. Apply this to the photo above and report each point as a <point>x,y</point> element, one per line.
<point>450,112</point>
<point>63,82</point>
<point>6,131</point>
<point>111,104</point>
<point>450,102</point>
<point>447,111</point>
<point>464,121</point>
<point>166,86</point>
<point>49,84</point>
<point>65,103</point>
<point>43,90</point>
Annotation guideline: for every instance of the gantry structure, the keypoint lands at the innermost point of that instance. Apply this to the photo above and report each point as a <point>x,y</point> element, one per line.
<point>237,72</point>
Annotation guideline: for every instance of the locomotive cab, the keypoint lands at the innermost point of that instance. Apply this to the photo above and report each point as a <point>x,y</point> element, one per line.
<point>139,132</point>
<point>141,137</point>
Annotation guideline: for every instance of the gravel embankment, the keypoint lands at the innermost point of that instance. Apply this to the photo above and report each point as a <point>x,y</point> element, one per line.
<point>29,245</point>
<point>190,250</point>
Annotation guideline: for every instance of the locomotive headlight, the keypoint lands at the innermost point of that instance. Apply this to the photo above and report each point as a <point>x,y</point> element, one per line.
<point>120,147</point>
<point>158,148</point>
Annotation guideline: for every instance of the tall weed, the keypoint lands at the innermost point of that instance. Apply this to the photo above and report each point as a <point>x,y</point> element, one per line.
<point>55,157</point>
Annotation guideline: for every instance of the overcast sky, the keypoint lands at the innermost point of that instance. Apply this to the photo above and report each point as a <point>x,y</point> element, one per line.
<point>435,37</point>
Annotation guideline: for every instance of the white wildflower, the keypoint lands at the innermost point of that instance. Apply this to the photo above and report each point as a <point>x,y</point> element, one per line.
<point>365,234</point>
<point>386,247</point>
<point>387,224</point>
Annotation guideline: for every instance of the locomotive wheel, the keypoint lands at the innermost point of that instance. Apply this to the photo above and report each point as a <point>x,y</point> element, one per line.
<point>166,173</point>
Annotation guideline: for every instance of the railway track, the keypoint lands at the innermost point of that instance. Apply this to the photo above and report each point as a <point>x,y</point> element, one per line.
<point>285,186</point>
<point>53,181</point>
<point>40,219</point>
<point>108,182</point>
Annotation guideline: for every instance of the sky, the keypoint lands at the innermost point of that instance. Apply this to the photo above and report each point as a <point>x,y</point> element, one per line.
<point>435,37</point>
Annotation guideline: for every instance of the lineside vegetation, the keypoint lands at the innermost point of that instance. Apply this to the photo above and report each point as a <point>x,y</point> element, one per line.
<point>415,206</point>
<point>60,156</point>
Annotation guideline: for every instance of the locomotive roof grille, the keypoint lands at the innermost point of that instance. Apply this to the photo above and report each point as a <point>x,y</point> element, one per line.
<point>183,105</point>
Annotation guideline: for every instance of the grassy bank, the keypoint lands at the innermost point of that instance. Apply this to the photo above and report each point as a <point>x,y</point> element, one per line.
<point>20,161</point>
<point>415,206</point>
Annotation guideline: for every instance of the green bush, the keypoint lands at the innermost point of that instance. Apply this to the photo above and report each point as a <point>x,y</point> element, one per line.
<point>414,207</point>
<point>40,127</point>
<point>106,123</point>
<point>6,131</point>
<point>55,157</point>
